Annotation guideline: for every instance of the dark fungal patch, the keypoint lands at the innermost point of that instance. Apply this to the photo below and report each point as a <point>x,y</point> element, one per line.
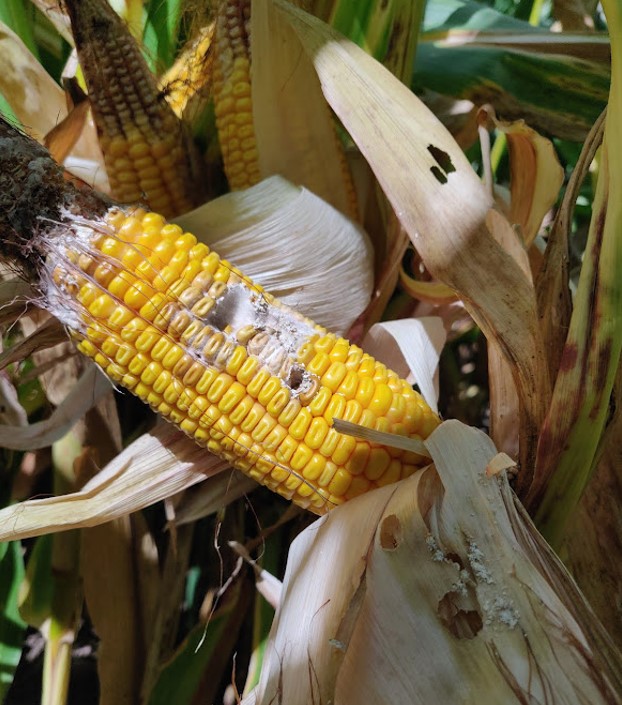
<point>35,198</point>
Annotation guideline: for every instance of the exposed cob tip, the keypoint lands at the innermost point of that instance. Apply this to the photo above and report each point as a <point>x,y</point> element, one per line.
<point>252,380</point>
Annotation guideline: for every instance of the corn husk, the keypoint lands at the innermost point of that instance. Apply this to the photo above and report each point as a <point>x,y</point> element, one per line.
<point>295,245</point>
<point>444,593</point>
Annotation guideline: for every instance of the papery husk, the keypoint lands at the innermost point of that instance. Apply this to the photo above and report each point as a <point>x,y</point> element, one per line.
<point>536,175</point>
<point>297,246</point>
<point>155,466</point>
<point>435,590</point>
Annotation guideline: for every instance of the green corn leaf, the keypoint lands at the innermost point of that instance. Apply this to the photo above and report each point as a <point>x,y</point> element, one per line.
<point>202,656</point>
<point>12,627</point>
<point>18,15</point>
<point>388,30</point>
<point>558,83</point>
<point>161,31</point>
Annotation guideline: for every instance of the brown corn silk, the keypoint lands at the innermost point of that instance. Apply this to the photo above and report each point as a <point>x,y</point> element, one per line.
<point>254,381</point>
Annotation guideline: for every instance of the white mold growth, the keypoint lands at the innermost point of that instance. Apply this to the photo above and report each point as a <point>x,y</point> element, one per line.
<point>476,561</point>
<point>501,611</point>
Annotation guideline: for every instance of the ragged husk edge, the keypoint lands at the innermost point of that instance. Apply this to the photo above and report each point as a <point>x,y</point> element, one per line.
<point>444,577</point>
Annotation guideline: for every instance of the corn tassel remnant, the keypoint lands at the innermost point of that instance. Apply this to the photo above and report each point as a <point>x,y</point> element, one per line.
<point>247,377</point>
<point>147,153</point>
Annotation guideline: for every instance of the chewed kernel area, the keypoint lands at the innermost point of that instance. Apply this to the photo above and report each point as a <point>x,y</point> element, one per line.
<point>246,377</point>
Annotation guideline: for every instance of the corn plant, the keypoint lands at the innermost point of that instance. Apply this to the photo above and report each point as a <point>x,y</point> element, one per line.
<point>259,179</point>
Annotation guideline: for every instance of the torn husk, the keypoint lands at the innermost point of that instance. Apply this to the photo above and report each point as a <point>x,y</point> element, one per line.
<point>445,593</point>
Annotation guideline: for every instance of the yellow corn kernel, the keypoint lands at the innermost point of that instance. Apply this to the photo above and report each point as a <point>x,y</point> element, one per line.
<point>330,443</point>
<point>358,486</point>
<point>314,468</point>
<point>392,474</point>
<point>255,386</point>
<point>173,392</point>
<point>343,451</point>
<point>286,449</point>
<point>381,401</point>
<point>319,364</point>
<point>232,397</point>
<point>325,343</point>
<point>205,381</point>
<point>236,360</point>
<point>279,401</point>
<point>135,124</point>
<point>248,370</point>
<point>289,413</point>
<point>275,437</point>
<point>352,411</point>
<point>219,386</point>
<point>253,417</point>
<point>334,376</point>
<point>318,406</point>
<point>301,457</point>
<point>340,482</point>
<point>301,423</point>
<point>360,457</point>
<point>335,409</point>
<point>239,412</point>
<point>263,428</point>
<point>317,433</point>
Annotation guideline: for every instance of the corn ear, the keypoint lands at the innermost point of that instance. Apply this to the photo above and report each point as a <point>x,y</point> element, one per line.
<point>254,381</point>
<point>232,94</point>
<point>147,152</point>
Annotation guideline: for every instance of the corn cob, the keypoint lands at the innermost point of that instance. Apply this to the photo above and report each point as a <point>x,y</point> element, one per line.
<point>147,153</point>
<point>249,378</point>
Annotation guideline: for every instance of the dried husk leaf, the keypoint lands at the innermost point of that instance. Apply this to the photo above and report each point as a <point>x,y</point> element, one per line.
<point>295,245</point>
<point>535,175</point>
<point>431,291</point>
<point>157,465</point>
<point>440,202</point>
<point>36,99</point>
<point>118,559</point>
<point>11,411</point>
<point>40,105</point>
<point>580,406</point>
<point>411,347</point>
<point>267,585</point>
<point>91,387</point>
<point>443,593</point>
<point>593,538</point>
<point>50,333</point>
<point>211,496</point>
<point>553,292</point>
<point>504,401</point>
<point>295,131</point>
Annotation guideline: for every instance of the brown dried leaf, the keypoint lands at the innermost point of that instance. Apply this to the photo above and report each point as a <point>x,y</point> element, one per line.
<point>440,202</point>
